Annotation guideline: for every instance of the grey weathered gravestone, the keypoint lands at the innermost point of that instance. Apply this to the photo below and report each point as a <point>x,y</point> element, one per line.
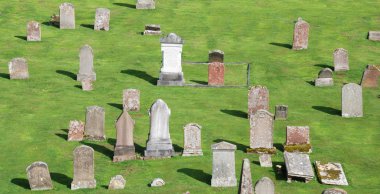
<point>246,178</point>
<point>87,84</point>
<point>33,31</point>
<point>102,19</point>
<point>301,35</point>
<point>18,69</point>
<point>258,98</point>
<point>341,60</point>
<point>281,112</point>
<point>374,35</point>
<point>131,100</point>
<point>352,100</point>
<point>159,144</point>
<point>86,64</point>
<point>152,29</point>
<point>331,173</point>
<point>145,4</point>
<point>325,78</point>
<point>157,182</point>
<point>39,176</point>
<point>334,191</point>
<point>117,182</point>
<point>264,186</point>
<point>83,168</point>
<point>125,148</point>
<point>370,78</point>
<point>66,16</point>
<point>261,133</point>
<point>94,127</point>
<point>298,165</point>
<point>223,165</point>
<point>216,56</point>
<point>76,131</point>
<point>265,160</point>
<point>192,140</point>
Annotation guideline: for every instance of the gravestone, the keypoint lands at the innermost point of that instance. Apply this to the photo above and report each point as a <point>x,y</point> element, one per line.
<point>131,100</point>
<point>298,165</point>
<point>86,64</point>
<point>145,4</point>
<point>370,78</point>
<point>261,132</point>
<point>374,35</point>
<point>216,56</point>
<point>297,139</point>
<point>152,29</point>
<point>264,186</point>
<point>83,168</point>
<point>330,173</point>
<point>216,74</point>
<point>334,191</point>
<point>223,165</point>
<point>352,100</point>
<point>258,98</point>
<point>265,160</point>
<point>76,131</point>
<point>281,112</point>
<point>325,78</point>
<point>87,85</point>
<point>125,148</point>
<point>159,144</point>
<point>157,182</point>
<point>39,176</point>
<point>33,31</point>
<point>341,60</point>
<point>246,178</point>
<point>94,127</point>
<point>192,140</point>
<point>117,182</point>
<point>66,16</point>
<point>102,19</point>
<point>301,35</point>
<point>18,69</point>
<point>171,71</point>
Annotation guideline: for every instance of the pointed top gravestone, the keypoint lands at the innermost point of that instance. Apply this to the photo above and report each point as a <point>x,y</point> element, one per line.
<point>352,100</point>
<point>86,64</point>
<point>125,148</point>
<point>84,177</point>
<point>264,186</point>
<point>33,31</point>
<point>223,165</point>
<point>94,126</point>
<point>39,176</point>
<point>370,78</point>
<point>341,60</point>
<point>192,140</point>
<point>258,98</point>
<point>246,178</point>
<point>18,69</point>
<point>66,16</point>
<point>301,35</point>
<point>102,19</point>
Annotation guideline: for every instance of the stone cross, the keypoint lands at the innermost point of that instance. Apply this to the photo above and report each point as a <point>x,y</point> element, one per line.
<point>325,78</point>
<point>131,100</point>
<point>33,31</point>
<point>125,148</point>
<point>264,186</point>
<point>341,60</point>
<point>86,64</point>
<point>301,35</point>
<point>352,100</point>
<point>18,69</point>
<point>246,178</point>
<point>216,56</point>
<point>216,74</point>
<point>102,19</point>
<point>223,165</point>
<point>39,176</point>
<point>145,4</point>
<point>258,98</point>
<point>83,168</point>
<point>66,16</point>
<point>94,127</point>
<point>281,112</point>
<point>371,76</point>
<point>192,140</point>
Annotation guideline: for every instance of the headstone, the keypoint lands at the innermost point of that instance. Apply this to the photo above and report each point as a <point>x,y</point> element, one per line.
<point>265,160</point>
<point>258,98</point>
<point>192,140</point>
<point>83,168</point>
<point>301,35</point>
<point>171,71</point>
<point>125,148</point>
<point>341,60</point>
<point>264,186</point>
<point>131,100</point>
<point>216,56</point>
<point>76,131</point>
<point>39,176</point>
<point>18,69</point>
<point>281,112</point>
<point>297,139</point>
<point>370,77</point>
<point>261,133</point>
<point>298,165</point>
<point>152,29</point>
<point>94,127</point>
<point>374,35</point>
<point>33,31</point>
<point>102,19</point>
<point>216,74</point>
<point>117,182</point>
<point>330,173</point>
<point>246,186</point>
<point>223,165</point>
<point>54,20</point>
<point>86,65</point>
<point>334,191</point>
<point>145,4</point>
<point>159,144</point>
<point>352,100</point>
<point>157,182</point>
<point>325,78</point>
<point>66,16</point>
<point>87,85</point>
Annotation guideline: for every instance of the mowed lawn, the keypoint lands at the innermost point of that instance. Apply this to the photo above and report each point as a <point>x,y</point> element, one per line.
<point>35,113</point>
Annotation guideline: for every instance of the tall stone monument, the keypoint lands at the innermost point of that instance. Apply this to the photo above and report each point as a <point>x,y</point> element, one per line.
<point>223,165</point>
<point>192,140</point>
<point>301,35</point>
<point>102,19</point>
<point>66,16</point>
<point>39,176</point>
<point>352,100</point>
<point>94,126</point>
<point>84,177</point>
<point>18,69</point>
<point>258,98</point>
<point>33,31</point>
<point>341,60</point>
<point>246,178</point>
<point>86,64</point>
<point>125,148</point>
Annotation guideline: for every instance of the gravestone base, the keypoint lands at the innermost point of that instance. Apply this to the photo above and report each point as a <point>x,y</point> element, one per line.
<point>265,160</point>
<point>123,153</point>
<point>82,77</point>
<point>95,138</point>
<point>192,152</point>
<point>323,82</point>
<point>224,182</point>
<point>171,79</point>
<point>87,184</point>
<point>159,149</point>
<point>145,4</point>
<point>152,32</point>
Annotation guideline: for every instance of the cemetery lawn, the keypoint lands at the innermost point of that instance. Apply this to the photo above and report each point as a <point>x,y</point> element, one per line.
<point>35,113</point>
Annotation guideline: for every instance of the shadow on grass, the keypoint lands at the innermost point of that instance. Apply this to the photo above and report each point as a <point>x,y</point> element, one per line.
<point>21,37</point>
<point>324,66</point>
<point>63,136</point>
<point>279,175</point>
<point>126,5</point>
<point>68,74</point>
<point>141,74</point>
<point>50,24</point>
<point>177,148</point>
<point>105,186</point>
<point>196,174</point>
<point>200,82</point>
<point>288,46</point>
<point>61,179</point>
<point>116,105</point>
<point>279,146</point>
<point>90,26</point>
<point>24,183</point>
<point>236,113</point>
<point>328,110</point>
<point>101,149</point>
<point>239,146</point>
<point>5,75</point>
<point>311,82</point>
<point>78,86</point>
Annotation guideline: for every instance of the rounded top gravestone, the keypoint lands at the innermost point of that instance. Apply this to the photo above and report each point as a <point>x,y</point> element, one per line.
<point>172,38</point>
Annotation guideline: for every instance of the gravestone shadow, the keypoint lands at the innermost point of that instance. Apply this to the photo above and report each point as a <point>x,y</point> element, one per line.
<point>279,175</point>
<point>63,136</point>
<point>200,82</point>
<point>101,149</point>
<point>196,174</point>
<point>105,186</point>
<point>90,26</point>
<point>24,183</point>
<point>5,75</point>
<point>61,179</point>
<point>21,37</point>
<point>116,105</point>
<point>279,146</point>
<point>311,83</point>
<point>141,74</point>
<point>78,86</point>
<point>239,146</point>
<point>68,74</point>
<point>177,148</point>
<point>236,113</point>
<point>126,5</point>
<point>328,110</point>
<point>50,24</point>
<point>325,66</point>
<point>285,45</point>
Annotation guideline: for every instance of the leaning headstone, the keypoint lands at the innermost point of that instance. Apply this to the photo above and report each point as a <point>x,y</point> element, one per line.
<point>87,85</point>
<point>66,16</point>
<point>371,76</point>
<point>102,19</point>
<point>297,139</point>
<point>159,144</point>
<point>83,168</point>
<point>216,56</point>
<point>171,71</point>
<point>334,191</point>
<point>352,100</point>
<point>341,60</point>
<point>117,182</point>
<point>33,31</point>
<point>39,176</point>
<point>246,178</point>
<point>216,74</point>
<point>330,173</point>
<point>298,165</point>
<point>325,78</point>
<point>131,100</point>
<point>125,148</point>
<point>18,69</point>
<point>223,165</point>
<point>76,131</point>
<point>258,98</point>
<point>86,64</point>
<point>281,112</point>
<point>301,35</point>
<point>145,4</point>
<point>374,35</point>
<point>192,140</point>
<point>94,127</point>
<point>261,132</point>
<point>152,29</point>
<point>264,186</point>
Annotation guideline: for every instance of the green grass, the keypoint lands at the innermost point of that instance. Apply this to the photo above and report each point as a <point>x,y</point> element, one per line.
<point>34,112</point>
